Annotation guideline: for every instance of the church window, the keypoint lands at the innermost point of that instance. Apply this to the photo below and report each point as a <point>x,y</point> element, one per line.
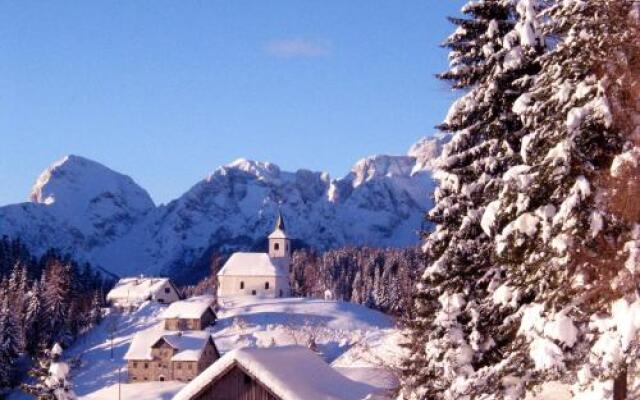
<point>241,285</point>
<point>266,285</point>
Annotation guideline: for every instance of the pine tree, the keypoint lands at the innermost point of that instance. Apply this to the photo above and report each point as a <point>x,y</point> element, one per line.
<point>564,225</point>
<point>34,320</point>
<point>9,342</point>
<point>458,336</point>
<point>95,315</point>
<point>56,302</point>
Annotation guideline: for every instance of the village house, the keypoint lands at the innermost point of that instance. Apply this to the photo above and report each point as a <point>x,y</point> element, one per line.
<point>274,373</point>
<point>163,356</point>
<point>195,313</point>
<point>129,293</point>
<point>259,274</point>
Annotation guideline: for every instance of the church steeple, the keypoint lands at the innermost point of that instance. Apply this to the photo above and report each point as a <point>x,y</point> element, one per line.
<point>280,222</point>
<point>279,242</point>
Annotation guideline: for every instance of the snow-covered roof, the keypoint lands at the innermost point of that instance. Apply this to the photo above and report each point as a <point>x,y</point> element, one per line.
<point>290,372</point>
<point>252,264</point>
<point>136,289</point>
<point>190,308</point>
<point>188,343</point>
<point>278,234</point>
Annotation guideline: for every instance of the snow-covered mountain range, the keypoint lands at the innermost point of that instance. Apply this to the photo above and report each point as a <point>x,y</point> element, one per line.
<point>95,214</point>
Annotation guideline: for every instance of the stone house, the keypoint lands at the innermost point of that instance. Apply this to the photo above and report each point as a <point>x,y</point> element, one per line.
<point>195,313</point>
<point>179,356</point>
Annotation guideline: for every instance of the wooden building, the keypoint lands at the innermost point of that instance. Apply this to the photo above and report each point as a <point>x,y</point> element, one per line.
<point>159,356</point>
<point>195,313</point>
<point>274,373</point>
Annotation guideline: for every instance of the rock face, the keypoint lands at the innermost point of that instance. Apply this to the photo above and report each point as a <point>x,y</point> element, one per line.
<point>104,217</point>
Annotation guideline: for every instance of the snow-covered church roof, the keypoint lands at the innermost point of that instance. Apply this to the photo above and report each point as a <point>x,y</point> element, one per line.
<point>189,344</point>
<point>252,264</point>
<point>136,289</point>
<point>190,308</point>
<point>290,372</point>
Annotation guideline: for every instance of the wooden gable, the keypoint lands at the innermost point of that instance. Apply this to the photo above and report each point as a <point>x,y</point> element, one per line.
<point>236,383</point>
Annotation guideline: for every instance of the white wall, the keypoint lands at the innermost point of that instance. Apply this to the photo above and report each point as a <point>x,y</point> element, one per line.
<point>230,286</point>
<point>166,297</point>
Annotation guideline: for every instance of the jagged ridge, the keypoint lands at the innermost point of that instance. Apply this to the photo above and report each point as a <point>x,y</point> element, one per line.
<point>104,217</point>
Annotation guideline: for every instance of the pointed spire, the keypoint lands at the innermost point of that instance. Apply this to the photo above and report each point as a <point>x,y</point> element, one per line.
<point>280,222</point>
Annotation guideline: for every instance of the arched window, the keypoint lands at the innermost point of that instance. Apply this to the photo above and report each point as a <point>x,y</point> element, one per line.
<point>241,284</point>
<point>266,285</point>
<point>276,246</point>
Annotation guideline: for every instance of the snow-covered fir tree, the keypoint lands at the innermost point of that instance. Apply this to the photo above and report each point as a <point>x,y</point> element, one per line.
<point>52,377</point>
<point>565,226</point>
<point>9,341</point>
<point>459,335</point>
<point>56,301</point>
<point>34,321</point>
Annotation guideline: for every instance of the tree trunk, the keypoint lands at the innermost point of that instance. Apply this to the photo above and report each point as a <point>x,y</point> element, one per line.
<point>620,385</point>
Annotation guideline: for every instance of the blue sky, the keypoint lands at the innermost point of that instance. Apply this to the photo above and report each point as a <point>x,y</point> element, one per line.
<point>167,91</point>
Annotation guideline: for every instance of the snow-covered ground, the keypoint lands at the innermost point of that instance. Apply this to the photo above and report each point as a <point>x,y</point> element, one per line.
<point>349,334</point>
<point>360,343</point>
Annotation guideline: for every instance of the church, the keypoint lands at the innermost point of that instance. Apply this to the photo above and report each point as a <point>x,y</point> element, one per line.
<point>259,274</point>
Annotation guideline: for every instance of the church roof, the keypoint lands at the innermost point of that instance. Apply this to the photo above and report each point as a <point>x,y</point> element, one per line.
<point>290,372</point>
<point>252,264</point>
<point>278,234</point>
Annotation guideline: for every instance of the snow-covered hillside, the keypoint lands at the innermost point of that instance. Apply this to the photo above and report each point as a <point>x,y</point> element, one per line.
<point>104,217</point>
<point>337,328</point>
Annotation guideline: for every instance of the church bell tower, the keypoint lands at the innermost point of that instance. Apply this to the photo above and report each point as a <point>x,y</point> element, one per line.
<point>279,242</point>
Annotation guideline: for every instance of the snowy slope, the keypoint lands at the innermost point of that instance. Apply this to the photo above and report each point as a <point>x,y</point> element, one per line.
<point>104,217</point>
<point>242,322</point>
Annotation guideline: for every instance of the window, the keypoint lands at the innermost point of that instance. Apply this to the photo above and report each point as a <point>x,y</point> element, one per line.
<point>146,365</point>
<point>253,292</point>
<point>160,300</point>
<point>247,379</point>
<point>276,246</point>
<point>135,365</point>
<point>266,285</point>
<point>162,379</point>
<point>241,285</point>
<point>280,293</point>
<point>135,378</point>
<point>189,366</point>
<point>178,365</point>
<point>167,290</point>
